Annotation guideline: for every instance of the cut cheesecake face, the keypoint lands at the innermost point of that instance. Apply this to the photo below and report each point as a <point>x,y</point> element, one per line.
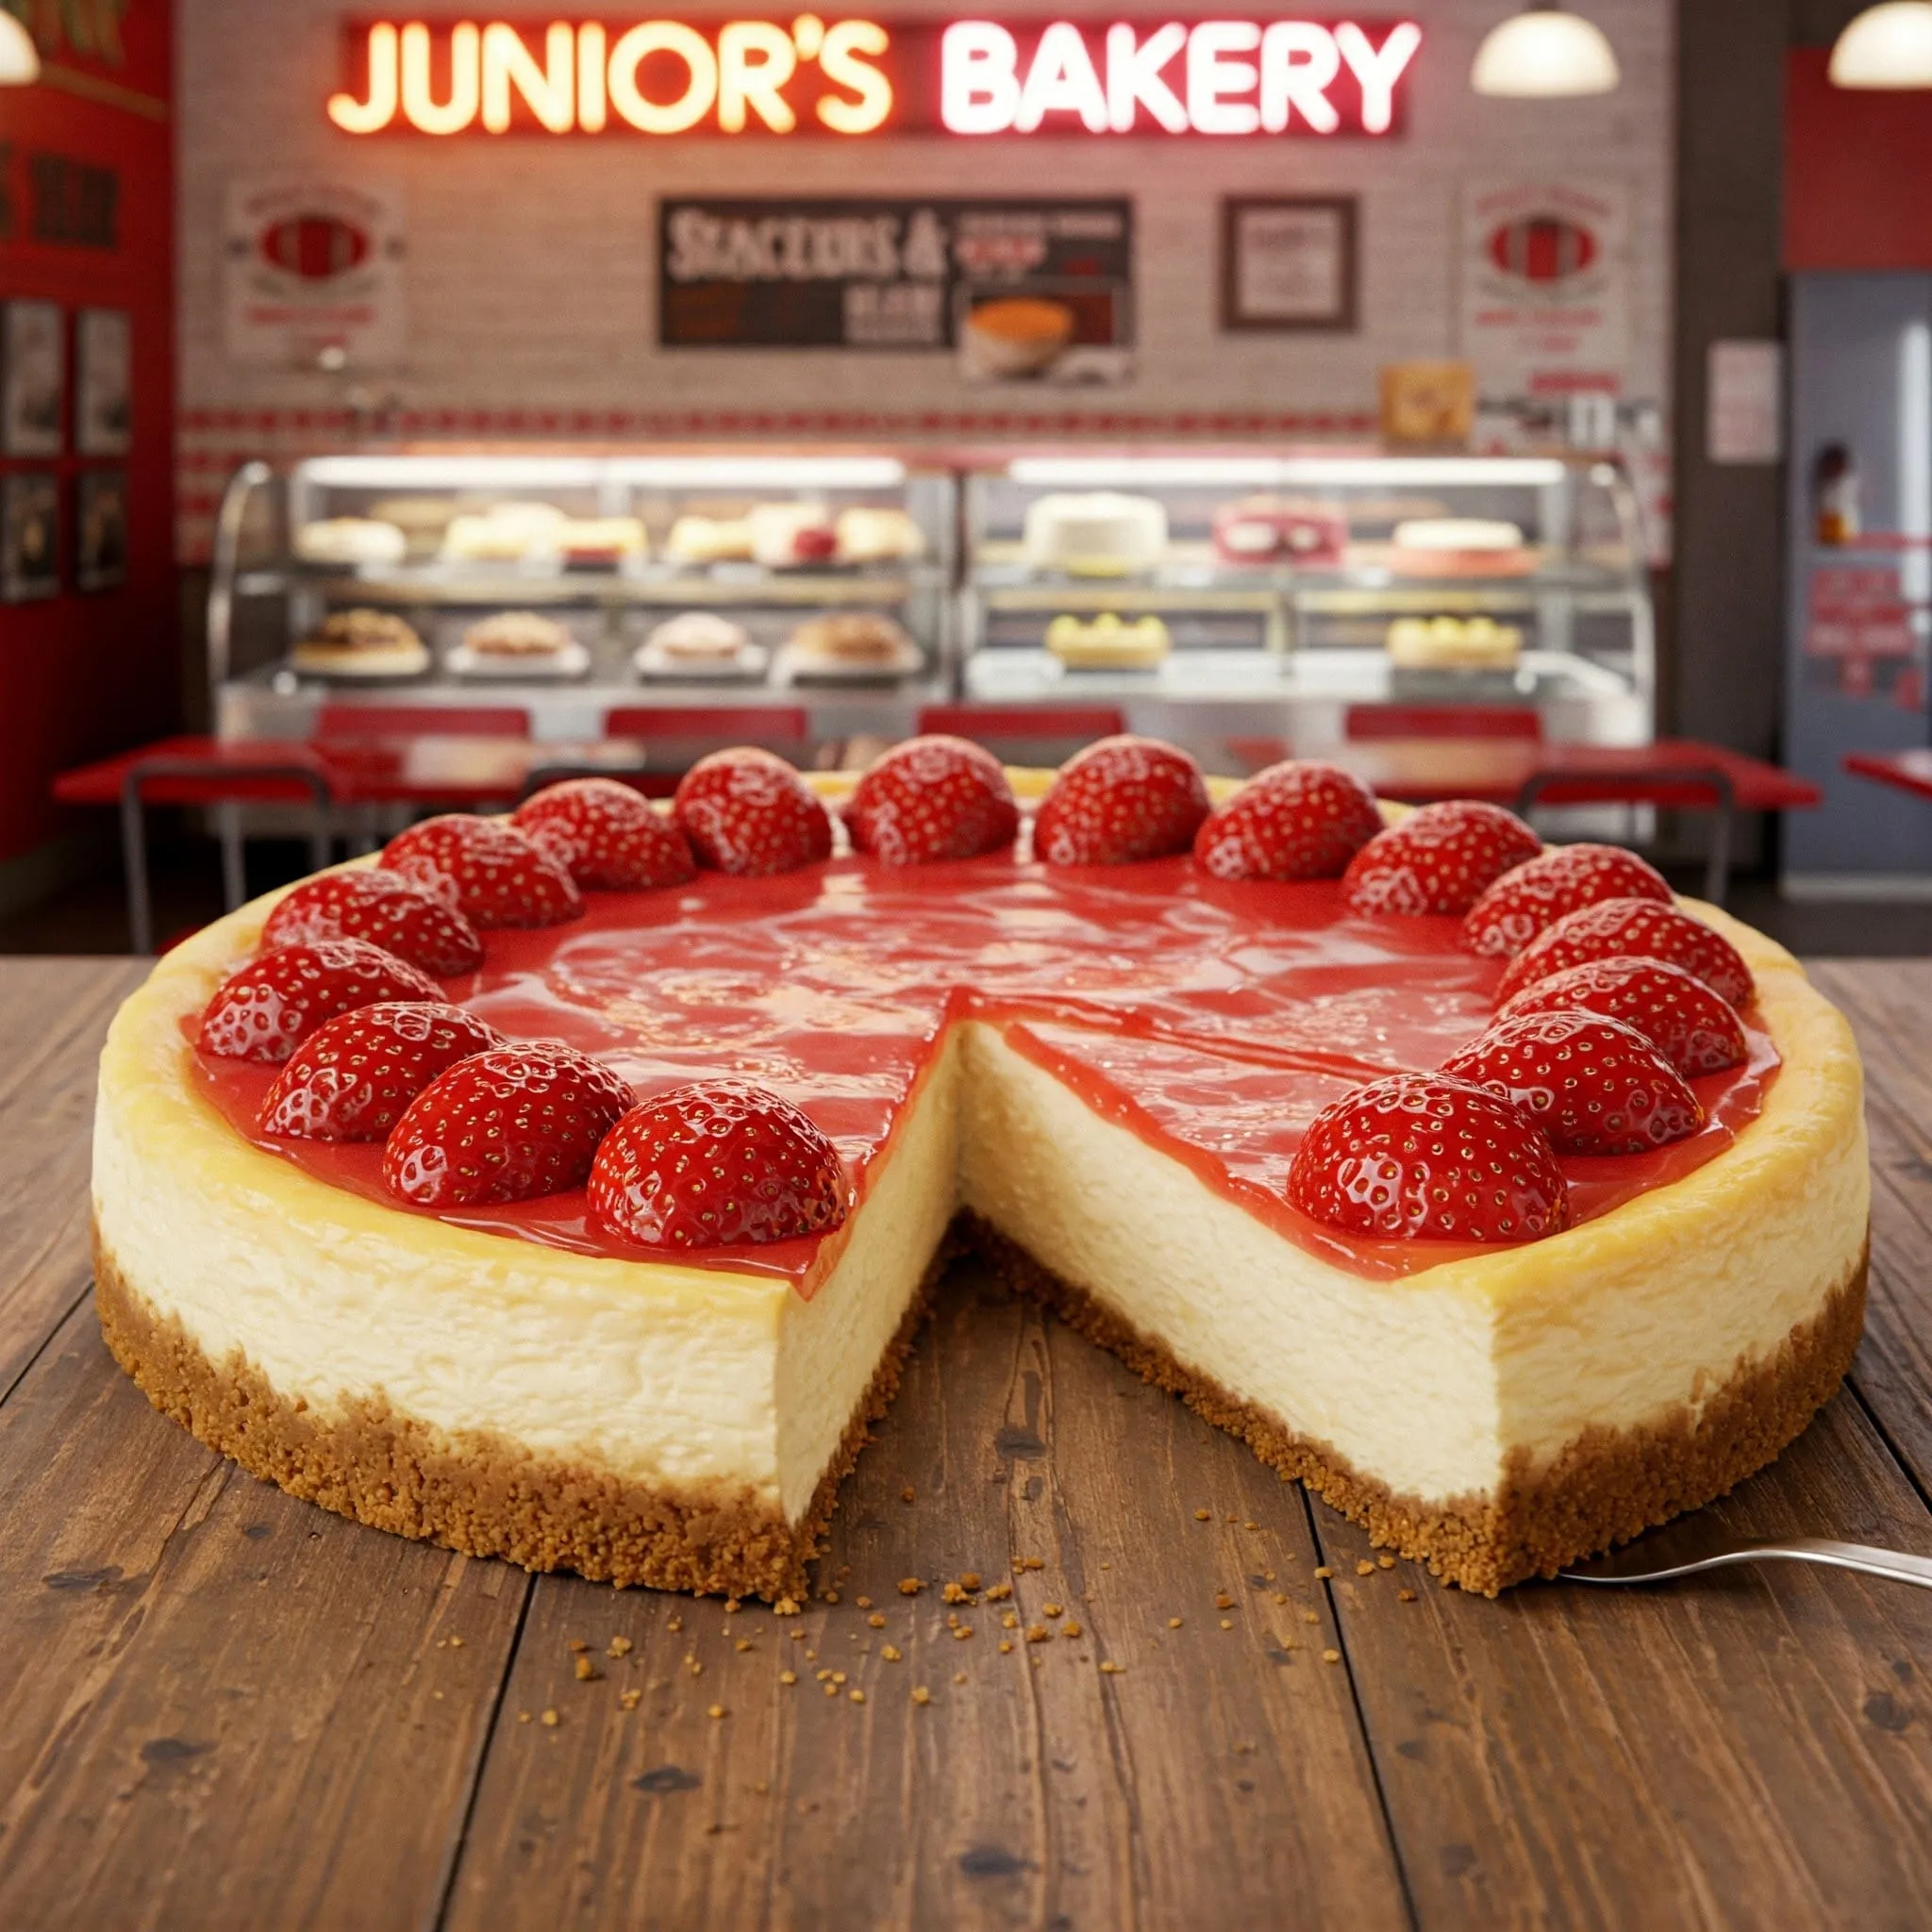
<point>1097,1075</point>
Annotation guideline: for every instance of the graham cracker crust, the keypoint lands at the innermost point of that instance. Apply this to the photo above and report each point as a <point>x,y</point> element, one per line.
<point>483,1495</point>
<point>1608,1485</point>
<point>487,1496</point>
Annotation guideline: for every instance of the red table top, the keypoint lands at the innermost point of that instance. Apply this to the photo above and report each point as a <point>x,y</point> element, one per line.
<point>1910,770</point>
<point>435,769</point>
<point>1416,769</point>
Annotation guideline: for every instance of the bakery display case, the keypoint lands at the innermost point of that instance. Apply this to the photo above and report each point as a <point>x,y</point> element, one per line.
<point>573,585</point>
<point>1206,594</point>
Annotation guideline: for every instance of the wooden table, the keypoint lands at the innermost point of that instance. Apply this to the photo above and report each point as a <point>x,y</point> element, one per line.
<point>226,1709</point>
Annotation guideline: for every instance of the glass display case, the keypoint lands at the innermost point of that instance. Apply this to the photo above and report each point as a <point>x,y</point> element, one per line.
<point>1204,594</point>
<point>572,587</point>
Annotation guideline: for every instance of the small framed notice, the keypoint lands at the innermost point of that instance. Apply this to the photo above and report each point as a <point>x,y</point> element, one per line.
<point>1289,263</point>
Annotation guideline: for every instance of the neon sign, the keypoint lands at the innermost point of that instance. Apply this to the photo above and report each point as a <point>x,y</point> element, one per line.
<point>853,76</point>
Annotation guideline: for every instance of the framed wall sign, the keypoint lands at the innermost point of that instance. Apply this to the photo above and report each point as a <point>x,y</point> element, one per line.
<point>100,529</point>
<point>29,536</point>
<point>1289,263</point>
<point>33,379</point>
<point>103,383</point>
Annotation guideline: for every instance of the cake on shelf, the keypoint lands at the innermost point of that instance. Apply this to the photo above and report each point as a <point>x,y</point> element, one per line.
<point>601,543</point>
<point>1098,533</point>
<point>1454,644</point>
<point>504,533</point>
<point>869,535</point>
<point>362,644</point>
<point>1460,547</point>
<point>1280,531</point>
<point>792,535</point>
<point>514,643</point>
<point>703,539</point>
<point>350,540</point>
<point>1108,642</point>
<point>1508,1203</point>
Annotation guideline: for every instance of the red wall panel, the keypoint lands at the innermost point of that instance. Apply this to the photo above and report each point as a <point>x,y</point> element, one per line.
<point>85,675</point>
<point>1857,173</point>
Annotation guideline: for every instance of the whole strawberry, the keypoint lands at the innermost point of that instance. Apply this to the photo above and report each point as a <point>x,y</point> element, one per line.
<point>1639,928</point>
<point>606,835</point>
<point>932,798</point>
<point>351,1079</point>
<point>1121,800</point>
<point>747,811</point>
<point>714,1164</point>
<point>1292,822</point>
<point>1594,1086</point>
<point>1440,860</point>
<point>1422,1157</point>
<point>267,1009</point>
<point>489,872</point>
<point>507,1124</point>
<point>1538,893</point>
<point>1695,1029</point>
<point>384,908</point>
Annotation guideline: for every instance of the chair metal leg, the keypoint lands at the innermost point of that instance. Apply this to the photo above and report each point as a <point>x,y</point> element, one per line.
<point>141,918</point>
<point>234,858</point>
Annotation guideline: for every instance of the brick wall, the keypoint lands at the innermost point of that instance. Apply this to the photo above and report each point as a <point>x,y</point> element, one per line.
<point>532,268</point>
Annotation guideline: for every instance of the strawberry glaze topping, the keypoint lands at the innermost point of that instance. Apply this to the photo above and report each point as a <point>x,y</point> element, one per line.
<point>1214,1020</point>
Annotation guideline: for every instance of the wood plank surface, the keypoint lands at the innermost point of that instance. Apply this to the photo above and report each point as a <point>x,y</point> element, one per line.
<point>225,1708</point>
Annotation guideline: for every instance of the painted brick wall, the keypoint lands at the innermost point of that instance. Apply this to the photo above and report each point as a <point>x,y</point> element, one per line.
<point>532,263</point>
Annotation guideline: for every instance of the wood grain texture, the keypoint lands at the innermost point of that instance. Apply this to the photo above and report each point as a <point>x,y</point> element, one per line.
<point>227,1708</point>
<point>1039,1790</point>
<point>53,1015</point>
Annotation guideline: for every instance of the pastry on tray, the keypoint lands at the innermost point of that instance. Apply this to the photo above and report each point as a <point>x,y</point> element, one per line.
<point>504,533</point>
<point>362,644</point>
<point>852,643</point>
<point>699,643</point>
<point>1108,642</point>
<point>1545,1324</point>
<point>601,543</point>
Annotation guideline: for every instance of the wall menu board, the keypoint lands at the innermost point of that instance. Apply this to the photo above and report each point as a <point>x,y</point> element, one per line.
<point>1018,290</point>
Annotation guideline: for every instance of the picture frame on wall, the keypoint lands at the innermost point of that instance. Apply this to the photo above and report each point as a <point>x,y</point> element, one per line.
<point>33,377</point>
<point>100,529</point>
<point>1290,263</point>
<point>29,536</point>
<point>103,382</point>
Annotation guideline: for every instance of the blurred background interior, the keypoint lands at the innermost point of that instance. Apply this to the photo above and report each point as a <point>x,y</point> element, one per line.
<point>1526,403</point>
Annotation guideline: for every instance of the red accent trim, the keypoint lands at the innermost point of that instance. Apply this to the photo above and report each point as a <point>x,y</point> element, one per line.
<point>1856,167</point>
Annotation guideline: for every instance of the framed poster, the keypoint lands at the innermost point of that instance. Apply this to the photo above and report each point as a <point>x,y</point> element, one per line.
<point>1289,263</point>
<point>1017,291</point>
<point>33,379</point>
<point>29,536</point>
<point>100,529</point>
<point>103,383</point>
<point>1546,285</point>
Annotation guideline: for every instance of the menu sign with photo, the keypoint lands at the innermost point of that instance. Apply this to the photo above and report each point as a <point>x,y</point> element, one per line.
<point>1018,290</point>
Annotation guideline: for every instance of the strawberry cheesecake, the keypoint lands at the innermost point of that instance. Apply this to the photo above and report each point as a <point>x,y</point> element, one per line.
<point>569,1188</point>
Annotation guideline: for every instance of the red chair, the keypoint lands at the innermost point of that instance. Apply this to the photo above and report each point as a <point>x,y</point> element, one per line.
<point>738,724</point>
<point>982,723</point>
<point>423,720</point>
<point>1367,722</point>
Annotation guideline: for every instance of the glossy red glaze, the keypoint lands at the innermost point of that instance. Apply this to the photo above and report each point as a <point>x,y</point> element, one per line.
<point>1212,1019</point>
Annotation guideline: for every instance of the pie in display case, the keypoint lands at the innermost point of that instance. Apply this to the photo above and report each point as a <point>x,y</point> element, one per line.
<point>1292,591</point>
<point>576,585</point>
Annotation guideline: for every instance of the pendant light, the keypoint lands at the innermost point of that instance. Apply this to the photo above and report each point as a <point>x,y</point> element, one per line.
<point>20,61</point>
<point>1544,53</point>
<point>1889,47</point>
